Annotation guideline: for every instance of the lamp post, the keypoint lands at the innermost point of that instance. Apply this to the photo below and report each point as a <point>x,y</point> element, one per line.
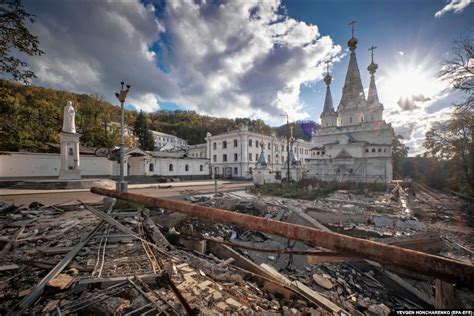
<point>122,186</point>
<point>287,147</point>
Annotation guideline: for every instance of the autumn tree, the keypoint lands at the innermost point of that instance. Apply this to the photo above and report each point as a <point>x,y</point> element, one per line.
<point>399,154</point>
<point>453,140</point>
<point>142,132</point>
<point>14,38</point>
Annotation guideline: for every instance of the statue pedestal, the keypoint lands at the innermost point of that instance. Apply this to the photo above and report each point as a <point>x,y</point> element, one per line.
<point>70,162</point>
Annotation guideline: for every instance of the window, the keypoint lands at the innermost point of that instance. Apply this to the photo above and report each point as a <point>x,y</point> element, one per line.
<point>385,150</point>
<point>71,152</point>
<point>235,142</point>
<point>170,168</point>
<point>236,157</point>
<point>351,171</point>
<point>151,167</point>
<point>323,152</point>
<point>250,157</point>
<point>350,119</point>
<point>380,150</point>
<point>256,143</point>
<point>250,143</point>
<point>201,168</point>
<point>224,157</point>
<point>256,157</point>
<point>236,171</point>
<point>224,144</point>
<point>373,150</point>
<point>372,118</point>
<point>268,159</point>
<point>361,119</point>
<point>216,170</point>
<point>186,168</point>
<point>317,153</point>
<point>215,158</point>
<point>367,150</point>
<point>215,146</point>
<point>268,146</point>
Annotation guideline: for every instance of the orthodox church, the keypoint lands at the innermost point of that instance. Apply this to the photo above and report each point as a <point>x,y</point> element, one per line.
<point>354,142</point>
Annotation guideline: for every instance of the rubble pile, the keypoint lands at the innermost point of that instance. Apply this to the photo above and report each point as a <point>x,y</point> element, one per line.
<point>119,258</point>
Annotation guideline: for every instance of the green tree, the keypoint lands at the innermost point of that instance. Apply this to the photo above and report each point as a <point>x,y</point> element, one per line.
<point>453,141</point>
<point>15,37</point>
<point>143,133</point>
<point>399,154</point>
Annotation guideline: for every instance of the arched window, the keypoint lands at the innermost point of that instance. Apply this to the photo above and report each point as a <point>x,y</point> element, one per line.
<point>186,168</point>
<point>151,167</point>
<point>224,144</point>
<point>236,157</point>
<point>235,142</point>
<point>170,168</point>
<point>236,171</point>
<point>373,150</point>
<point>201,168</point>
<point>71,152</point>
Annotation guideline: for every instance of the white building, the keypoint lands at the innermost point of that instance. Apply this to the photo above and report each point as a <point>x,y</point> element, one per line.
<point>234,154</point>
<point>137,162</point>
<point>354,143</point>
<point>197,151</point>
<point>168,141</point>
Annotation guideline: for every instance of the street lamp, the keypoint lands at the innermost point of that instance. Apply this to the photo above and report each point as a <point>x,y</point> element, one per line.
<point>287,146</point>
<point>122,186</point>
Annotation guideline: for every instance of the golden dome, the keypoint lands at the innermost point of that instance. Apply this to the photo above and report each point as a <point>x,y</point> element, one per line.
<point>352,43</point>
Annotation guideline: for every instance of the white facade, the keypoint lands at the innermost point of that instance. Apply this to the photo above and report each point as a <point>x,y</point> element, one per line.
<point>197,151</point>
<point>138,163</point>
<point>354,143</point>
<point>24,165</point>
<point>234,154</point>
<point>170,141</point>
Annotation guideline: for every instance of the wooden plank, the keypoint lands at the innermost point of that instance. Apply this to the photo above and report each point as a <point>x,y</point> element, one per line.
<point>445,297</point>
<point>9,267</point>
<point>306,292</point>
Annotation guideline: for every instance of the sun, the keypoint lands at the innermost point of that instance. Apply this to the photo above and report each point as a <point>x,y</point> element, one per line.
<point>406,80</point>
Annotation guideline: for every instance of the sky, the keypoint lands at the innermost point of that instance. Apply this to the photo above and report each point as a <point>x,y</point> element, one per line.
<point>252,58</point>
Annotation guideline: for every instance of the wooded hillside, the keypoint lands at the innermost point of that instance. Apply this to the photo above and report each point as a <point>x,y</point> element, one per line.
<point>32,117</point>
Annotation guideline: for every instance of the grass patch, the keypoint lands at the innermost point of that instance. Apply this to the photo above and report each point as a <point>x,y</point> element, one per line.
<point>311,189</point>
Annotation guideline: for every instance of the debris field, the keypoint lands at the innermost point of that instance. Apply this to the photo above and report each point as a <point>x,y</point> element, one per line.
<point>350,253</point>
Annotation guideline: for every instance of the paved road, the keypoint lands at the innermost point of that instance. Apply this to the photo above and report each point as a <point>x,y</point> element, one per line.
<point>71,197</point>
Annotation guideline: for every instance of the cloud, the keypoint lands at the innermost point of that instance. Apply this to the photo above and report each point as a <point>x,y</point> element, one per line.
<point>410,103</point>
<point>401,53</point>
<point>226,58</point>
<point>454,5</point>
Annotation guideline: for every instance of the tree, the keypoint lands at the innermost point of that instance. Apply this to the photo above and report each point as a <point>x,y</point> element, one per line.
<point>459,70</point>
<point>143,133</point>
<point>453,141</point>
<point>15,37</point>
<point>399,154</point>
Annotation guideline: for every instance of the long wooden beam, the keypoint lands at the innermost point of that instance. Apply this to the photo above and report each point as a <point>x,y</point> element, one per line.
<point>436,266</point>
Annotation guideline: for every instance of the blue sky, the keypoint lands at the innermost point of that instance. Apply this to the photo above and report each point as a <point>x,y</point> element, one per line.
<point>251,58</point>
<point>393,26</point>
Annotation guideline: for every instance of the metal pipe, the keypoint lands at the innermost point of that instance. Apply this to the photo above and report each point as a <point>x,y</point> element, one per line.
<point>439,267</point>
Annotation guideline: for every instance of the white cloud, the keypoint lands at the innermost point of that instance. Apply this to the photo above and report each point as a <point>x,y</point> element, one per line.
<point>454,5</point>
<point>401,53</point>
<point>235,58</point>
<point>147,102</point>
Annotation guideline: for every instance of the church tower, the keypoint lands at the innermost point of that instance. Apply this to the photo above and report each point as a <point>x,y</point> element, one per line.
<point>374,107</point>
<point>328,116</point>
<point>352,107</point>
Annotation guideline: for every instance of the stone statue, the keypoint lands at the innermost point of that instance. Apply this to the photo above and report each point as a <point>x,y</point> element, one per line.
<point>69,123</point>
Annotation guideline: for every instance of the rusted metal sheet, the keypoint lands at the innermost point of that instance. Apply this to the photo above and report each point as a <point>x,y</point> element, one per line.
<point>439,267</point>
